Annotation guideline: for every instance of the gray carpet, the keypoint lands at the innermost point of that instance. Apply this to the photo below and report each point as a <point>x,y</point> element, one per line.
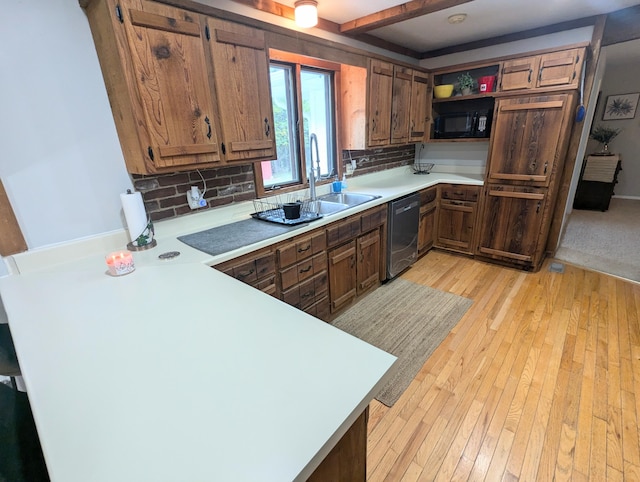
<point>608,241</point>
<point>407,320</point>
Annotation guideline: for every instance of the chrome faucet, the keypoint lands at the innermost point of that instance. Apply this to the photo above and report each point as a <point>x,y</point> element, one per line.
<point>313,141</point>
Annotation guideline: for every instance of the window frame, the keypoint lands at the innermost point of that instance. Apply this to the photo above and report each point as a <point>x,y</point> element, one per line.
<point>297,62</point>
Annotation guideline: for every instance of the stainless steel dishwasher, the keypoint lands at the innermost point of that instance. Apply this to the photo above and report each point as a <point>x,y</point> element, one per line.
<point>402,240</point>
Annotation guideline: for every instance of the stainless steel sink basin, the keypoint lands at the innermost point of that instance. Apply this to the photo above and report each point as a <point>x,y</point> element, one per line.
<point>327,207</point>
<point>335,202</point>
<point>348,198</point>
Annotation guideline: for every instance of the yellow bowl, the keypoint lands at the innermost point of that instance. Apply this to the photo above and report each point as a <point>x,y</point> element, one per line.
<point>443,91</point>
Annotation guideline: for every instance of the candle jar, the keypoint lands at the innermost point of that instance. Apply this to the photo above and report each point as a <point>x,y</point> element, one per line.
<point>120,263</point>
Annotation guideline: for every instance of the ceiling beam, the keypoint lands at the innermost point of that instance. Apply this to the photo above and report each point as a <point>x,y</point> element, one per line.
<point>399,13</point>
<point>622,25</point>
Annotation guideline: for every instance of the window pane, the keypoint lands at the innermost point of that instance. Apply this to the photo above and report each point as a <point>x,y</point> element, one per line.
<point>317,113</point>
<point>284,169</point>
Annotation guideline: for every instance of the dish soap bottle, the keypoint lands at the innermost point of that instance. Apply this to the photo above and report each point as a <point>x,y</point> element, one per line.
<point>344,181</point>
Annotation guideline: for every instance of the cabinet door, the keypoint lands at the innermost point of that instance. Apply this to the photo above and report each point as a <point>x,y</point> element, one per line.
<point>379,102</point>
<point>526,138</point>
<point>342,275</point>
<point>560,69</point>
<point>426,229</point>
<point>512,223</point>
<point>519,74</point>
<point>165,44</point>
<point>368,267</point>
<point>241,72</point>
<point>456,220</point>
<point>401,105</point>
<point>420,108</point>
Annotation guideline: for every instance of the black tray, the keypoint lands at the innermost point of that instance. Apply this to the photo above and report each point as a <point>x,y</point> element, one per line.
<point>277,216</point>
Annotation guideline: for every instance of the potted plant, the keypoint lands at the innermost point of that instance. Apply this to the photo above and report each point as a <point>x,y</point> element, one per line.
<point>604,135</point>
<point>466,83</point>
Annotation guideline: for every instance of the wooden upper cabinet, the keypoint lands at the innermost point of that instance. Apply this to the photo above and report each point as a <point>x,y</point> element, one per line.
<point>186,91</point>
<point>398,104</point>
<point>420,118</point>
<point>519,74</point>
<point>165,119</point>
<point>552,70</point>
<point>526,139</point>
<point>241,72</point>
<point>560,68</point>
<point>401,104</point>
<point>379,102</point>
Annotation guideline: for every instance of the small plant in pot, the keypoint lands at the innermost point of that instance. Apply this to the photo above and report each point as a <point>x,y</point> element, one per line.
<point>466,83</point>
<point>604,135</point>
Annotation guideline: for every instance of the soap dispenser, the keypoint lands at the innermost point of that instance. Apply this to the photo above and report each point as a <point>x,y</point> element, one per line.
<point>344,181</point>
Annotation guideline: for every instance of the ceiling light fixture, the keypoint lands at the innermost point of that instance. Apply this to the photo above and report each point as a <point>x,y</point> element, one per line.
<point>457,18</point>
<point>306,13</point>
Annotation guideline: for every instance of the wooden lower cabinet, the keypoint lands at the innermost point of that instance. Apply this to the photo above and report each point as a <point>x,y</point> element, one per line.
<point>342,275</point>
<point>347,461</point>
<point>368,265</point>
<point>257,269</point>
<point>354,268</point>
<point>456,221</point>
<point>456,217</point>
<point>426,228</point>
<point>515,224</point>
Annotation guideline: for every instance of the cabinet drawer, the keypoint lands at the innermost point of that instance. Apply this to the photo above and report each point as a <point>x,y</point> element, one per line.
<point>307,293</point>
<point>303,270</point>
<point>320,309</point>
<point>342,231</point>
<point>428,195</point>
<point>302,248</point>
<point>459,192</point>
<point>250,268</point>
<point>373,218</point>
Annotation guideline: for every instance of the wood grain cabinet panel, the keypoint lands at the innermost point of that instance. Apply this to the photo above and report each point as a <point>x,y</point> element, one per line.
<point>401,104</point>
<point>379,102</point>
<point>420,115</point>
<point>169,72</point>
<point>526,139</point>
<point>426,227</point>
<point>257,269</point>
<point>241,71</point>
<point>513,229</point>
<point>368,267</point>
<point>342,275</point>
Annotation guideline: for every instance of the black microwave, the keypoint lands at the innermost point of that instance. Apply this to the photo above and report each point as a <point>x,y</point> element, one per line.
<point>476,124</point>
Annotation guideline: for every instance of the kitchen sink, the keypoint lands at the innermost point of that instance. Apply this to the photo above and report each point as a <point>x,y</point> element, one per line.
<point>339,201</point>
<point>326,207</point>
<point>348,198</point>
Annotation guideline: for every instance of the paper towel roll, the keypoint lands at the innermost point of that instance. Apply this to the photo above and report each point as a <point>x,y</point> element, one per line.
<point>134,213</point>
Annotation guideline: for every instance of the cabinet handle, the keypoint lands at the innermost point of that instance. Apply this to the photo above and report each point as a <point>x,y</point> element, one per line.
<point>373,123</point>
<point>306,270</point>
<point>244,275</point>
<point>546,165</point>
<point>538,207</point>
<point>267,127</point>
<point>302,250</point>
<point>307,294</point>
<point>540,74</point>
<point>206,121</point>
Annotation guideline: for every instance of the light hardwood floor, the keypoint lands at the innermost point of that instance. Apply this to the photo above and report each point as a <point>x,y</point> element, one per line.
<point>539,381</point>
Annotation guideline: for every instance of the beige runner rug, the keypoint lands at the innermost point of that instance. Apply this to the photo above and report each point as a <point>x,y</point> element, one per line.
<point>407,320</point>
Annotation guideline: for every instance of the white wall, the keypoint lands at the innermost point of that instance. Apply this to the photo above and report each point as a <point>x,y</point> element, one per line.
<point>622,78</point>
<point>61,161</point>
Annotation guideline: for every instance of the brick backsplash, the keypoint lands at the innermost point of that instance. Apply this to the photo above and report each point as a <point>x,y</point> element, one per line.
<point>165,195</point>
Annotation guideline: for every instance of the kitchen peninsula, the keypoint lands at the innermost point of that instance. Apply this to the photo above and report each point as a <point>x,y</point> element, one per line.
<point>179,372</point>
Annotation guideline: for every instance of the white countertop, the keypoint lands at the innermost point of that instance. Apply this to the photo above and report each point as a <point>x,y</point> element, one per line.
<point>179,372</point>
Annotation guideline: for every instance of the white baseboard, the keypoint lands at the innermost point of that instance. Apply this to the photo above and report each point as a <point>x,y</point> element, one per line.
<point>636,198</point>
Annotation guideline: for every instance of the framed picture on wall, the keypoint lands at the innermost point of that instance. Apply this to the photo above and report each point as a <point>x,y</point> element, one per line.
<point>621,106</point>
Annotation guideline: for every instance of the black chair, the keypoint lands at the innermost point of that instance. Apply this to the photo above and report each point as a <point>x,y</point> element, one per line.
<point>9,366</point>
<point>21,458</point>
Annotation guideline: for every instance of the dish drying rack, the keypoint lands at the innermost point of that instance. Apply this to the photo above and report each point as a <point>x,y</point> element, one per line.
<point>270,209</point>
<point>422,167</point>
